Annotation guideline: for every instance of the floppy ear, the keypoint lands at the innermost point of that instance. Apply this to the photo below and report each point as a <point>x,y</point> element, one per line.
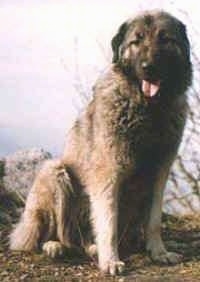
<point>186,51</point>
<point>117,40</point>
<point>186,43</point>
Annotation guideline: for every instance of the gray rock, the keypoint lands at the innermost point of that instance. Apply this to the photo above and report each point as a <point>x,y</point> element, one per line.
<point>20,169</point>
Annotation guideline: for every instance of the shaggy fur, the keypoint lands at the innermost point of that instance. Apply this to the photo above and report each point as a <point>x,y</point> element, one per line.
<point>119,152</point>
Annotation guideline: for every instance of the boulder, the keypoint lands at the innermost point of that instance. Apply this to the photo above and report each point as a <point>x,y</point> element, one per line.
<point>17,171</point>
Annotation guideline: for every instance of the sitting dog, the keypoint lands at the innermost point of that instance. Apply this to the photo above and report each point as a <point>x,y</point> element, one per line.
<point>119,152</point>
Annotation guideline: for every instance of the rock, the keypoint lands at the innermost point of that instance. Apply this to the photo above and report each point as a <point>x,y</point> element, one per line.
<point>19,170</point>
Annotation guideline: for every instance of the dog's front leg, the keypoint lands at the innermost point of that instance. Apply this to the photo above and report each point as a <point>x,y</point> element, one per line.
<point>154,243</point>
<point>104,205</point>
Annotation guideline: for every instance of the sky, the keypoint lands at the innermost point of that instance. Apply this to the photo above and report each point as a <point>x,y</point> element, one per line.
<point>50,53</point>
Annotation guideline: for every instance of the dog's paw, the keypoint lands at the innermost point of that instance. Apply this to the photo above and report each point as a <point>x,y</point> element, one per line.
<point>113,267</point>
<point>53,249</point>
<point>167,258</point>
<point>91,250</point>
<point>160,255</point>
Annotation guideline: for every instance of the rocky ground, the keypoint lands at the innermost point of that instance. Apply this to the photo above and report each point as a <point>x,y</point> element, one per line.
<point>181,235</point>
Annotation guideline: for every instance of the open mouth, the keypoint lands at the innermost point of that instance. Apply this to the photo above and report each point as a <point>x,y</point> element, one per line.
<point>150,89</point>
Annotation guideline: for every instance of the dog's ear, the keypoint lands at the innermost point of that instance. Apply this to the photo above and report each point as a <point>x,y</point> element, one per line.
<point>185,43</point>
<point>117,41</point>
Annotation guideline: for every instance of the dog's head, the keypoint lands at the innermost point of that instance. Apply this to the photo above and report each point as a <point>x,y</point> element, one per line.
<point>153,49</point>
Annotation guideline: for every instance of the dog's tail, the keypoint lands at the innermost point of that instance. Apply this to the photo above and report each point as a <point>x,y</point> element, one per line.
<point>25,236</point>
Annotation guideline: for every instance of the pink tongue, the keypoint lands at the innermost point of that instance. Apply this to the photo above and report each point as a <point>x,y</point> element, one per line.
<point>150,89</point>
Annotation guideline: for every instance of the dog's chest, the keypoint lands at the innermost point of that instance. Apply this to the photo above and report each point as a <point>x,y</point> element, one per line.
<point>145,133</point>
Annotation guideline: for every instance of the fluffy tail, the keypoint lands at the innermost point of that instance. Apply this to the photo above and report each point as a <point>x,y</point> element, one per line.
<point>25,236</point>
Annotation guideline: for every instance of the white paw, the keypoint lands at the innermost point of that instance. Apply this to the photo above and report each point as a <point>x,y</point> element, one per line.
<point>91,250</point>
<point>53,249</point>
<point>113,267</point>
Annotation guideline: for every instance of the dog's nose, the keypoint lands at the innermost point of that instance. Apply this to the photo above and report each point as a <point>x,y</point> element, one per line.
<point>147,67</point>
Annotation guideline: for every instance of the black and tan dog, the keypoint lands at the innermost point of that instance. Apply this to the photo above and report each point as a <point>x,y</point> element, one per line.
<point>119,152</point>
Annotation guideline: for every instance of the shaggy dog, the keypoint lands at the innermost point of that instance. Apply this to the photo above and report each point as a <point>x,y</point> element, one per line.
<point>119,152</point>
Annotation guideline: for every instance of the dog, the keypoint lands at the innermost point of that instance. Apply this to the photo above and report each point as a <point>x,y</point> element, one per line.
<point>119,152</point>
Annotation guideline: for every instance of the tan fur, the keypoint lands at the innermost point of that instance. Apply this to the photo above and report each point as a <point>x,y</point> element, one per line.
<point>46,209</point>
<point>117,156</point>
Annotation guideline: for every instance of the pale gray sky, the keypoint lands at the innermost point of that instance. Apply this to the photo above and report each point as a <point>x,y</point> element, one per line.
<point>40,47</point>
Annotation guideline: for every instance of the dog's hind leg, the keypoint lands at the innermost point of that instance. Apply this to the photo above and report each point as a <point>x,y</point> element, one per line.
<point>63,197</point>
<point>46,211</point>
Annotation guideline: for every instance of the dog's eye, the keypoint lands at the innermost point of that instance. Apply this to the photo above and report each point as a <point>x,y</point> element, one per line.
<point>137,39</point>
<point>139,36</point>
<point>165,38</point>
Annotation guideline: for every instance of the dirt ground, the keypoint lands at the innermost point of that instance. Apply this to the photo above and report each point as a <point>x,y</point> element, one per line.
<point>181,235</point>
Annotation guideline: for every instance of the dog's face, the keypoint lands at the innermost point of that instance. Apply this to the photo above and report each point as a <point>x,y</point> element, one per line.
<point>153,49</point>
